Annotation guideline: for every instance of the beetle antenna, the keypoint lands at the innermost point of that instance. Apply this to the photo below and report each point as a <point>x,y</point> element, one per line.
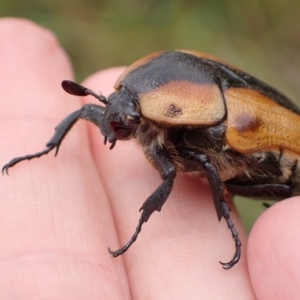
<point>76,89</point>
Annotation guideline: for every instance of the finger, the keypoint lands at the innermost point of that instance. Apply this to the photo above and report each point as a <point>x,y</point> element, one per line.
<point>273,252</point>
<point>53,217</point>
<point>176,255</point>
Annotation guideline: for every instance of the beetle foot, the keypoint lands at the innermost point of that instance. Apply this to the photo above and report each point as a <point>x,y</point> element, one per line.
<point>236,257</point>
<point>238,243</point>
<point>123,249</point>
<point>27,157</point>
<point>267,205</point>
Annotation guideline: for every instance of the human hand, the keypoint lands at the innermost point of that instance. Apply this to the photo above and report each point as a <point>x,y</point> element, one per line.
<point>59,215</point>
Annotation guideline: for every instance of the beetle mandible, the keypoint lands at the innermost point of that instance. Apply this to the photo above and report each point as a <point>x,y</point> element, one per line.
<point>194,114</point>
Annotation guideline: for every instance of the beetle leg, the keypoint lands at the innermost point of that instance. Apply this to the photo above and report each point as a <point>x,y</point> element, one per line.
<point>163,163</point>
<point>221,206</point>
<point>235,235</point>
<point>276,191</point>
<point>90,112</point>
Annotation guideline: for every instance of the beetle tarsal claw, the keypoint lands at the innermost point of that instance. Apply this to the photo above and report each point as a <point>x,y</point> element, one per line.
<point>235,259</point>
<point>131,241</point>
<point>238,243</point>
<point>27,157</point>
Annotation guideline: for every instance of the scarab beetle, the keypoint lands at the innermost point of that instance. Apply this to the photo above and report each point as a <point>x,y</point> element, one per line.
<point>194,114</point>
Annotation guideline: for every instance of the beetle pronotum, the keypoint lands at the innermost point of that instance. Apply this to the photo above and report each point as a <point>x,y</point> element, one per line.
<point>192,113</point>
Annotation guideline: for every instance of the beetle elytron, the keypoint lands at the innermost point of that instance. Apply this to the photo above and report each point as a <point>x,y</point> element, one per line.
<point>192,113</point>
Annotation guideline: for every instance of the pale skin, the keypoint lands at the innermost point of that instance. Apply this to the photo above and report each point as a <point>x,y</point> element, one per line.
<point>59,215</point>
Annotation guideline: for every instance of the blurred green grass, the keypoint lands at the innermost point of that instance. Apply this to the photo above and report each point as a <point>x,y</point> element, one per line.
<point>259,36</point>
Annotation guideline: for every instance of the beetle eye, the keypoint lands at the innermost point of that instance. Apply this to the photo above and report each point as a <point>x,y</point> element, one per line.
<point>121,131</point>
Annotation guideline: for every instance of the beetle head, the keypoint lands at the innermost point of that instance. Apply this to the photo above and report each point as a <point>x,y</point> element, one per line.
<point>121,116</point>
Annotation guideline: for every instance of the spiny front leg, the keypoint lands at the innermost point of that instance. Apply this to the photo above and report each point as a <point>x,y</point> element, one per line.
<point>90,112</point>
<point>163,163</point>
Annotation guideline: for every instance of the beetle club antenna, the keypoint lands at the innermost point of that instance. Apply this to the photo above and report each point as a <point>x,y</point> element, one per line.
<point>76,89</point>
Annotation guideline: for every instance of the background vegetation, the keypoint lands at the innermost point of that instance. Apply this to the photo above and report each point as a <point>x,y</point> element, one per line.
<point>259,36</point>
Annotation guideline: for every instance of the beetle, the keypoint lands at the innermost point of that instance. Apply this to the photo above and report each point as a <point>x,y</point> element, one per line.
<point>192,113</point>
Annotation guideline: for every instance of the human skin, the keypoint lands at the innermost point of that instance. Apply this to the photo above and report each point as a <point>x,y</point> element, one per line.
<point>59,215</point>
